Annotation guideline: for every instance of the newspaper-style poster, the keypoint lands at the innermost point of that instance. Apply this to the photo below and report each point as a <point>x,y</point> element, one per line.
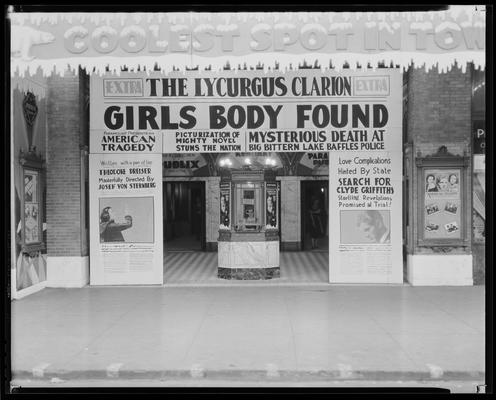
<point>126,219</point>
<point>366,190</point>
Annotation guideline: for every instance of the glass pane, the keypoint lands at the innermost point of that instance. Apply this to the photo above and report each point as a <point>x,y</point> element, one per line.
<point>30,186</point>
<point>248,206</point>
<point>32,223</point>
<point>442,204</point>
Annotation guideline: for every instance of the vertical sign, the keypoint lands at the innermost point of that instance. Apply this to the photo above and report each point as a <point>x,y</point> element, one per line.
<point>479,185</point>
<point>125,184</point>
<point>365,214</point>
<point>126,219</point>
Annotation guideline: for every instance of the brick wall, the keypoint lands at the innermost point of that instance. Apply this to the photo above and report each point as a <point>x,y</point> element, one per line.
<point>439,110</point>
<point>63,167</point>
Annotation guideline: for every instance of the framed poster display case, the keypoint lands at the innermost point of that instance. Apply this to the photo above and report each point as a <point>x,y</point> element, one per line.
<point>442,194</point>
<point>31,229</point>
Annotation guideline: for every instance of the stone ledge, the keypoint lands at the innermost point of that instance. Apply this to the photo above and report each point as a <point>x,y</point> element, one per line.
<point>67,272</point>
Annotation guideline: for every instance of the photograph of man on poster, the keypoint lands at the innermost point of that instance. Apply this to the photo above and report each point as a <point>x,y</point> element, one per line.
<point>371,223</point>
<point>110,230</point>
<point>126,219</point>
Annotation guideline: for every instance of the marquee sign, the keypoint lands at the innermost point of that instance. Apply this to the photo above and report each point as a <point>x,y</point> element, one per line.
<point>189,40</point>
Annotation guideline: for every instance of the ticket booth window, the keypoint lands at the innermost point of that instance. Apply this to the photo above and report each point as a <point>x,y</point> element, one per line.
<point>248,209</point>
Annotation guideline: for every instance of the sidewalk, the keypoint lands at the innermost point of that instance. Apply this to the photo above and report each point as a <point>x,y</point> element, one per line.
<point>263,334</point>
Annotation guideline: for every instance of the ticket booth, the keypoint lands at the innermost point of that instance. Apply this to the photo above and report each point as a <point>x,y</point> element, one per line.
<point>248,240</point>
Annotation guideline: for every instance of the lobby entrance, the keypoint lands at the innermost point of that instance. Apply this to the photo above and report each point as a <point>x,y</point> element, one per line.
<point>184,216</point>
<point>314,215</point>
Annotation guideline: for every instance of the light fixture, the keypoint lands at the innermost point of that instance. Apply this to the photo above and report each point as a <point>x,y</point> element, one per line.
<point>270,161</point>
<point>225,162</point>
<point>247,161</point>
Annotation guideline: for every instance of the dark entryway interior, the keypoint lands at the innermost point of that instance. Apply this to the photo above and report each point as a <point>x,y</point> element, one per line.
<point>184,216</point>
<point>312,191</point>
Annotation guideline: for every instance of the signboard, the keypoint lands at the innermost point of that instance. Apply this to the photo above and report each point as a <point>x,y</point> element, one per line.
<point>242,111</point>
<point>126,219</point>
<point>201,39</point>
<point>365,189</point>
<point>182,164</point>
<point>479,137</point>
<point>318,163</point>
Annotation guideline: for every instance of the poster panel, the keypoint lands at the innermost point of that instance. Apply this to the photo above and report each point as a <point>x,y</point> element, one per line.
<point>365,210</point>
<point>442,204</point>
<point>225,206</point>
<point>271,214</point>
<point>126,219</point>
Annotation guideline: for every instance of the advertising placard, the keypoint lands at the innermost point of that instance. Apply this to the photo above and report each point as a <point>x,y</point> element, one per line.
<point>242,111</point>
<point>271,215</point>
<point>365,203</point>
<point>182,164</point>
<point>126,219</point>
<point>225,206</point>
<point>208,40</point>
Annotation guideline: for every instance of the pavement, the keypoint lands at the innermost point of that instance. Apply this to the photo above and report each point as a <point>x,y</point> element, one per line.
<point>306,335</point>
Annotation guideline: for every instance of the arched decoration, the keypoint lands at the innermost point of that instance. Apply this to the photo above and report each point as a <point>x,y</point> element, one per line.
<point>211,159</point>
<point>290,162</point>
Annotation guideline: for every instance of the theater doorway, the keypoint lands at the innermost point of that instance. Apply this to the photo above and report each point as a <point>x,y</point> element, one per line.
<point>184,216</point>
<point>315,196</point>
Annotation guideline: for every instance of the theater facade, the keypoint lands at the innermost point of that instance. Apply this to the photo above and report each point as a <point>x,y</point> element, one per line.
<point>246,154</point>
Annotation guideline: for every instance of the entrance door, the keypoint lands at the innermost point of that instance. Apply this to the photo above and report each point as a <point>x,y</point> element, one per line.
<point>314,194</point>
<point>184,216</point>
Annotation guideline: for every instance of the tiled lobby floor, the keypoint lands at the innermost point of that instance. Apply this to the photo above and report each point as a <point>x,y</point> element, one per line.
<point>201,268</point>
